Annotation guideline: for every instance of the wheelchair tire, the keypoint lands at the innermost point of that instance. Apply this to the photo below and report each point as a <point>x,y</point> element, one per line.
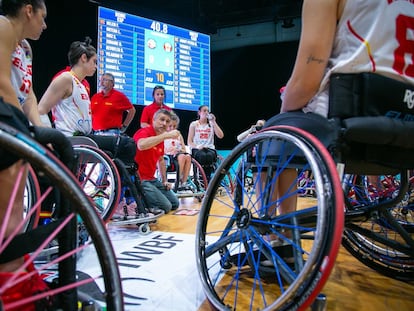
<point>372,237</point>
<point>62,269</point>
<point>31,198</point>
<point>100,179</point>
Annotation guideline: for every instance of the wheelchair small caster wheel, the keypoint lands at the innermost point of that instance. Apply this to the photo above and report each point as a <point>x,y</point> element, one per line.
<point>144,228</point>
<point>226,265</point>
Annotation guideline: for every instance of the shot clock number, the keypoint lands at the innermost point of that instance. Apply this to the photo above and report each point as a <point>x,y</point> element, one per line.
<point>159,27</point>
<point>160,77</point>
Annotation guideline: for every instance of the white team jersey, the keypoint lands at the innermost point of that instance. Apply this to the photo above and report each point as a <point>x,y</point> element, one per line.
<point>172,146</point>
<point>372,36</point>
<point>203,134</point>
<point>21,70</point>
<point>73,114</point>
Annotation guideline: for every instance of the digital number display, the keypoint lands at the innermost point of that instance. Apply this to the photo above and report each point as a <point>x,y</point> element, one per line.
<point>142,53</point>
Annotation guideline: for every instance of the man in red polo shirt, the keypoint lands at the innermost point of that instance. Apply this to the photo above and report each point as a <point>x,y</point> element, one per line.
<point>108,107</point>
<point>150,152</point>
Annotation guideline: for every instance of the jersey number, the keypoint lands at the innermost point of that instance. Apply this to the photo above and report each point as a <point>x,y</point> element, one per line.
<point>26,85</point>
<point>404,27</point>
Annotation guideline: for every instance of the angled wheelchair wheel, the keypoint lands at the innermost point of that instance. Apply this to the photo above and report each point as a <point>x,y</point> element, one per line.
<point>198,180</point>
<point>99,178</point>
<point>227,182</point>
<point>250,256</point>
<point>379,228</point>
<point>54,274</point>
<point>356,191</point>
<point>196,184</point>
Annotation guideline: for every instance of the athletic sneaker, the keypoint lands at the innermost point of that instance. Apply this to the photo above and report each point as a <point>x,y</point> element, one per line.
<point>145,215</point>
<point>155,210</point>
<point>125,210</point>
<point>185,186</point>
<point>120,212</point>
<point>132,208</point>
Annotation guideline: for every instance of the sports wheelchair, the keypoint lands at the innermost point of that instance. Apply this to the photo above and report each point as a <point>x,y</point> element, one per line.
<point>250,254</point>
<point>196,182</point>
<point>207,157</point>
<point>210,163</point>
<point>108,174</point>
<point>68,288</point>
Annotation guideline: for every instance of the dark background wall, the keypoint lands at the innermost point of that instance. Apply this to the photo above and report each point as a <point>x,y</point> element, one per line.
<point>245,81</point>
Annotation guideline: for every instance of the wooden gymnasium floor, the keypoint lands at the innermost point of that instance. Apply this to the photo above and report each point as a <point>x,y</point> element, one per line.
<point>351,286</point>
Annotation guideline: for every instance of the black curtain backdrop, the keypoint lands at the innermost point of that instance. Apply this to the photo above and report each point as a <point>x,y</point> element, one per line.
<point>245,81</point>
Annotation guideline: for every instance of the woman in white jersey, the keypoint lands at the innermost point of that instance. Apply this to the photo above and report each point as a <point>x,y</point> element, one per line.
<point>22,81</point>
<point>200,139</point>
<point>349,36</point>
<point>67,97</point>
<point>175,149</point>
<point>21,19</point>
<point>345,36</point>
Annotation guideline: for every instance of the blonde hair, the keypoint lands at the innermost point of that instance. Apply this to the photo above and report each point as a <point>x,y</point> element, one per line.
<point>175,117</point>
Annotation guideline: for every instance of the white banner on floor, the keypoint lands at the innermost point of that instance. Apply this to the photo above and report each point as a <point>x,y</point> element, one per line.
<point>158,270</point>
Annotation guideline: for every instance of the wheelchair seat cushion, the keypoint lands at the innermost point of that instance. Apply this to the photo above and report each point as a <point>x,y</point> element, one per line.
<point>205,156</point>
<point>322,128</point>
<point>277,151</point>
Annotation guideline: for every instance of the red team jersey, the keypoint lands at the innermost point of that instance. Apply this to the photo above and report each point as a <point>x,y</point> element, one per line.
<point>149,111</point>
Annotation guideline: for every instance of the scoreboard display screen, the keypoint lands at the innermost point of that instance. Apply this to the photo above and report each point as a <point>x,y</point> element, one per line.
<point>142,53</point>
